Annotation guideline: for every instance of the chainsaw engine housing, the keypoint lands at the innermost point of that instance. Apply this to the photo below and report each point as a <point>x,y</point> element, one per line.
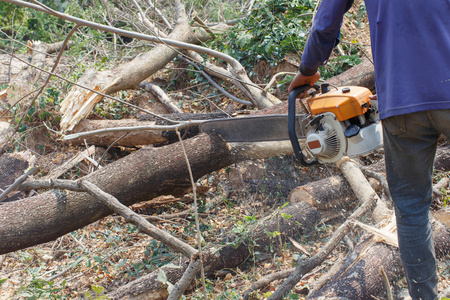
<point>342,122</point>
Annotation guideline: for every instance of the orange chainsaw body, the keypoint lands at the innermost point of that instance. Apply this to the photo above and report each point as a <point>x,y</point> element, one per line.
<point>344,103</point>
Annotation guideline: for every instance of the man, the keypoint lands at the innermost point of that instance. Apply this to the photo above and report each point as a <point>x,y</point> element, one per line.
<point>411,52</point>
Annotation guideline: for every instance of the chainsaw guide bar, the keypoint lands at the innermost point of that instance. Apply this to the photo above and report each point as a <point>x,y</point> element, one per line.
<point>251,129</point>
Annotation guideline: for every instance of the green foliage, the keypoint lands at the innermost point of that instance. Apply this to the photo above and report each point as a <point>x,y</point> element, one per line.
<point>96,292</point>
<point>40,289</point>
<point>338,65</point>
<point>10,13</point>
<point>273,29</point>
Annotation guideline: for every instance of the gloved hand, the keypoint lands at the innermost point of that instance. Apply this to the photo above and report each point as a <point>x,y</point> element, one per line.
<point>301,79</point>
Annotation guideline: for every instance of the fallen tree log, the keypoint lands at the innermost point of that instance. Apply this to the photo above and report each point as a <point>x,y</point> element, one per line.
<point>231,254</point>
<point>140,176</point>
<point>335,190</point>
<point>329,192</point>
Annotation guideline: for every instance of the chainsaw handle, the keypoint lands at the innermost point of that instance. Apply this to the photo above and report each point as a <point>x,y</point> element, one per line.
<point>291,124</point>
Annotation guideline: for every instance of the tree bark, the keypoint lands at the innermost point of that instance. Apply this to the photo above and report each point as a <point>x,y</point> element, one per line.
<point>329,192</point>
<point>360,277</point>
<point>12,166</point>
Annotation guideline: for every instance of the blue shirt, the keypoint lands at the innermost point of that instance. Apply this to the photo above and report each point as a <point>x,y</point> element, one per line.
<point>410,48</point>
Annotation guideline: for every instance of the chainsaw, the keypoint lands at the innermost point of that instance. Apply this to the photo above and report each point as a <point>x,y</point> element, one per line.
<point>339,122</point>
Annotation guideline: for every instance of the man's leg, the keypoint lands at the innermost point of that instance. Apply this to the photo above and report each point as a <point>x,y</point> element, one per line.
<point>410,143</point>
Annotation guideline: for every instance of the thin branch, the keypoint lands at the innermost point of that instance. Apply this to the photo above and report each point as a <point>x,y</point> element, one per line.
<point>181,125</point>
<point>17,183</point>
<point>266,280</point>
<point>274,78</point>
<point>89,89</point>
<point>221,89</point>
<point>58,58</point>
<point>158,12</point>
<point>61,184</point>
<point>176,293</point>
<point>147,23</point>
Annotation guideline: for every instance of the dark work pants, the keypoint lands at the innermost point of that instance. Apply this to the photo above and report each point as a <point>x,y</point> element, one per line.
<point>410,143</point>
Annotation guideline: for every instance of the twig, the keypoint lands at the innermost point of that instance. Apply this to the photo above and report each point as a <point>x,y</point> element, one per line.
<point>175,294</point>
<point>17,183</point>
<point>274,78</point>
<point>158,12</point>
<point>387,285</point>
<point>161,95</point>
<point>180,125</point>
<point>221,89</point>
<point>110,146</point>
<point>203,25</point>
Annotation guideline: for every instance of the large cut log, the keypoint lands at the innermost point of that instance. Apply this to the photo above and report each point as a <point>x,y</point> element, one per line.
<point>335,190</point>
<point>140,176</point>
<point>360,277</point>
<point>303,218</point>
<point>329,192</point>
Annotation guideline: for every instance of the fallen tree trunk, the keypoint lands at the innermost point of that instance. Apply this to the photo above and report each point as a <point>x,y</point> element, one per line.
<point>140,176</point>
<point>335,190</point>
<point>329,192</point>
<point>304,217</point>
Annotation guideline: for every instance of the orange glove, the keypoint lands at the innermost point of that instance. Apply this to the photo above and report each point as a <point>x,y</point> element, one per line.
<point>301,79</point>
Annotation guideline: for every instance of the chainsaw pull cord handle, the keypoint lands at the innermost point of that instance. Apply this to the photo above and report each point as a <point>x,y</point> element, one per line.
<point>291,124</point>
